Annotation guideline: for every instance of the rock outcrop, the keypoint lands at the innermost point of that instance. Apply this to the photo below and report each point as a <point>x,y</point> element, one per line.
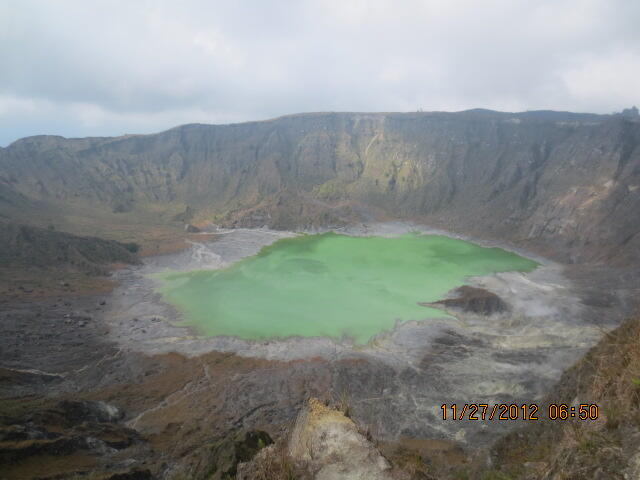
<point>86,437</point>
<point>472,299</point>
<point>323,445</point>
<point>329,445</point>
<point>241,448</point>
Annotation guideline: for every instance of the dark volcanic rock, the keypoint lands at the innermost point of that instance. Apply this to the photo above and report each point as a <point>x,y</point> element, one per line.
<point>219,461</point>
<point>472,299</point>
<point>83,411</point>
<point>247,444</point>
<point>71,427</point>
<point>132,475</point>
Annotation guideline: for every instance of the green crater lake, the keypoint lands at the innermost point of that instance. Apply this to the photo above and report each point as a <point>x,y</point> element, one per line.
<point>331,285</point>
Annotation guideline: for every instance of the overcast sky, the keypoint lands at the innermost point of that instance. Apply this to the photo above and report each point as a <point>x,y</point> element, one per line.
<point>78,67</point>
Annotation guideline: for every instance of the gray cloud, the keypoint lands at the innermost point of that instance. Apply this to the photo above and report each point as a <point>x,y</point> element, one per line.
<point>79,68</point>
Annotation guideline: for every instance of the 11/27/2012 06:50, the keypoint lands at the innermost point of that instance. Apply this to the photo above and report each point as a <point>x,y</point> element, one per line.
<point>531,411</point>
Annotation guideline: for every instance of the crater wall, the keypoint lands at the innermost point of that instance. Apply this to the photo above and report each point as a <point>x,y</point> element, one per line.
<point>567,185</point>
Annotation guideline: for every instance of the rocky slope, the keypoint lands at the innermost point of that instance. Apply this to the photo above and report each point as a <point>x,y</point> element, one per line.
<point>325,444</point>
<point>26,246</point>
<point>35,261</point>
<point>565,184</point>
<point>605,448</point>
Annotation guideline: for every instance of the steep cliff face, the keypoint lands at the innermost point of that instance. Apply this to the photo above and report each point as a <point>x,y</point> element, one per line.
<point>565,184</point>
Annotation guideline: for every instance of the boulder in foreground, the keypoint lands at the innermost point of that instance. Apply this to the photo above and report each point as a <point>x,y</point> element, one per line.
<point>324,445</point>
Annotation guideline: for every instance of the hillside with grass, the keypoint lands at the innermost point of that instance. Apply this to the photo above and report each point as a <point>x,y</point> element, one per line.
<point>42,260</point>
